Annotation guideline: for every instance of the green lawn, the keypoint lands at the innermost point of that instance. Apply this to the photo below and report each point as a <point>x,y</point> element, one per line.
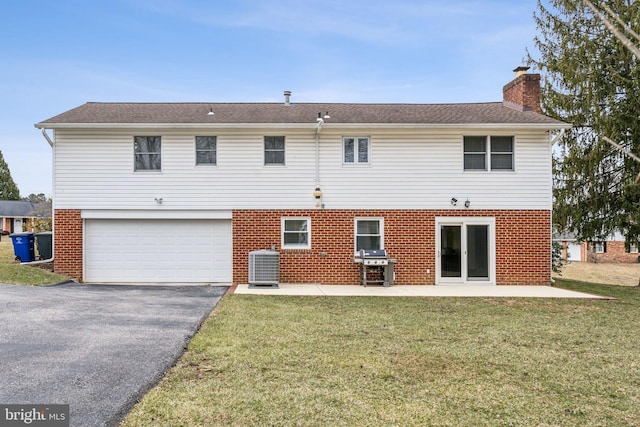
<point>372,361</point>
<point>14,273</point>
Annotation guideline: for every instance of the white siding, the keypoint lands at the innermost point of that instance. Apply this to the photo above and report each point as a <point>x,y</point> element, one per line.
<point>409,169</point>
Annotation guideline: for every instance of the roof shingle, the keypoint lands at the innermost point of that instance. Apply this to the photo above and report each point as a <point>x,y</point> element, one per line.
<point>257,113</point>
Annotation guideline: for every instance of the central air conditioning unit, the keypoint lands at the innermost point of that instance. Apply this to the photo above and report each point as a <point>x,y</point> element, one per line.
<point>264,268</point>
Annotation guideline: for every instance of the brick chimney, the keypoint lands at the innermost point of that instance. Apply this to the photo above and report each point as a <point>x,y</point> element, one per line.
<point>523,92</point>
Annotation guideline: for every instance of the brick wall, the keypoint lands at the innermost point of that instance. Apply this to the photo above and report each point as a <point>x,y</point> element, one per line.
<point>68,243</point>
<point>523,244</point>
<point>616,252</point>
<point>524,91</point>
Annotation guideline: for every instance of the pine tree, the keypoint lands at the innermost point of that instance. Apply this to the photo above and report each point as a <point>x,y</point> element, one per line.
<point>8,188</point>
<point>592,81</point>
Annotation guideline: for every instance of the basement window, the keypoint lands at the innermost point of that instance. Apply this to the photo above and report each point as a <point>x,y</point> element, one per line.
<point>369,233</point>
<point>296,233</point>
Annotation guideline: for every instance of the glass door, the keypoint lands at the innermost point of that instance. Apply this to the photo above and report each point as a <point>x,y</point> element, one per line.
<point>465,251</point>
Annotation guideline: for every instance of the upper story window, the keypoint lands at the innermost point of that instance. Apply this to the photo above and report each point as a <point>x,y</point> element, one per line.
<point>274,150</point>
<point>206,150</point>
<point>369,233</point>
<point>488,153</point>
<point>296,233</point>
<point>147,153</point>
<point>356,150</point>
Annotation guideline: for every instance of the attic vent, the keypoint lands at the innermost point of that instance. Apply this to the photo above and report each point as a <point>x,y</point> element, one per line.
<point>264,268</point>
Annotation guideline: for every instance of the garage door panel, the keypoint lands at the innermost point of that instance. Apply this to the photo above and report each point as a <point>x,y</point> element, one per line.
<point>157,250</point>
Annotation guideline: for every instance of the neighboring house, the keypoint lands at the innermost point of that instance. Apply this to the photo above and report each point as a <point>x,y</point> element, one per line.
<point>182,192</point>
<point>18,215</point>
<point>614,249</point>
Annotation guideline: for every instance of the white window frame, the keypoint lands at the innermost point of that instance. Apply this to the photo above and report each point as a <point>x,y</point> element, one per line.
<point>488,152</point>
<point>284,150</point>
<point>215,150</point>
<point>599,247</point>
<point>633,248</point>
<point>136,153</point>
<point>356,160</point>
<point>283,231</point>
<point>355,231</point>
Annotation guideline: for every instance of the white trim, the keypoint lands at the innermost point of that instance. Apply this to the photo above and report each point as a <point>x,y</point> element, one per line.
<point>463,222</point>
<point>153,214</point>
<point>380,219</point>
<point>295,246</point>
<point>356,141</point>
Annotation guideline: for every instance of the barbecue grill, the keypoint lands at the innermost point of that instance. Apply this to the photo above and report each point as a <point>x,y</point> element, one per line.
<point>375,267</point>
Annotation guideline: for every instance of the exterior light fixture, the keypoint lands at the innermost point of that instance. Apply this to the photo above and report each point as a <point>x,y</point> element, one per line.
<point>327,116</point>
<point>317,194</point>
<point>210,113</point>
<point>467,203</point>
<point>454,201</point>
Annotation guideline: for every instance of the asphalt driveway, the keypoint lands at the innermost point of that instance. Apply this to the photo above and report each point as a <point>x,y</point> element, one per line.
<point>97,348</point>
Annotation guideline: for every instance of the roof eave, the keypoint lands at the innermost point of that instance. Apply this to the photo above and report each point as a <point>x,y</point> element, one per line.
<point>312,126</point>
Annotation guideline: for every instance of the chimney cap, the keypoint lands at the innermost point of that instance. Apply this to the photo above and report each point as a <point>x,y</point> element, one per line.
<point>522,69</point>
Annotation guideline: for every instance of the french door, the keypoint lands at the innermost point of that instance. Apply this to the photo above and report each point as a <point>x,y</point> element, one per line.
<point>465,250</point>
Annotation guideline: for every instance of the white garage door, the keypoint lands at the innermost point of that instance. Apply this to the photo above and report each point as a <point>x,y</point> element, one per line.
<point>573,251</point>
<point>157,250</point>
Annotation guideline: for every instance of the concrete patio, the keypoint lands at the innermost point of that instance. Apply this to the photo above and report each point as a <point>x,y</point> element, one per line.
<point>415,291</point>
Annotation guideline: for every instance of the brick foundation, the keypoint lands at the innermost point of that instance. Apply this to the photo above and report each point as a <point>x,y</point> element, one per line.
<point>67,241</point>
<point>523,245</point>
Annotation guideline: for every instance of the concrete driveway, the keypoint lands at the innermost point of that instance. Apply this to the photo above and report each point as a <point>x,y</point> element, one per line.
<point>97,348</point>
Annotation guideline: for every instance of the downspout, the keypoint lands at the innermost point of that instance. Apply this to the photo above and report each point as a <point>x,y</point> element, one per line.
<point>46,136</point>
<point>317,193</point>
<point>552,142</point>
<point>44,261</point>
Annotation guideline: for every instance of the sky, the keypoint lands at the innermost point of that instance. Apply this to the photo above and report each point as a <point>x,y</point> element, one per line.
<point>57,55</point>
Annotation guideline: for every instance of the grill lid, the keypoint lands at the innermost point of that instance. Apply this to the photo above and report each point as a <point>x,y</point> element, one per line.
<point>373,253</point>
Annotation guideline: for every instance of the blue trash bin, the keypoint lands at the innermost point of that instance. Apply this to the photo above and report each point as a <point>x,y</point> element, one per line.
<point>23,246</point>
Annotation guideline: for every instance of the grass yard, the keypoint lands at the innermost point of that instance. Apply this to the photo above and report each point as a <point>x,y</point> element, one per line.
<point>372,361</point>
<point>12,272</point>
<point>605,273</point>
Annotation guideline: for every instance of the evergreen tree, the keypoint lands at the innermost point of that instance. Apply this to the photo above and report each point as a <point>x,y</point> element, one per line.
<point>591,80</point>
<point>8,188</point>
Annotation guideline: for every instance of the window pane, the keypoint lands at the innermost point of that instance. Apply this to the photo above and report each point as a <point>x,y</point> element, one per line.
<point>295,225</point>
<point>450,251</point>
<point>147,151</point>
<point>349,148</point>
<point>501,144</point>
<point>478,251</point>
<point>206,157</point>
<point>205,142</point>
<point>274,150</point>
<point>368,242</point>
<point>475,161</point>
<point>205,150</point>
<point>363,150</point>
<point>274,157</point>
<point>368,227</point>
<point>501,162</point>
<point>296,239</point>
<point>475,144</point>
<point>274,142</point>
